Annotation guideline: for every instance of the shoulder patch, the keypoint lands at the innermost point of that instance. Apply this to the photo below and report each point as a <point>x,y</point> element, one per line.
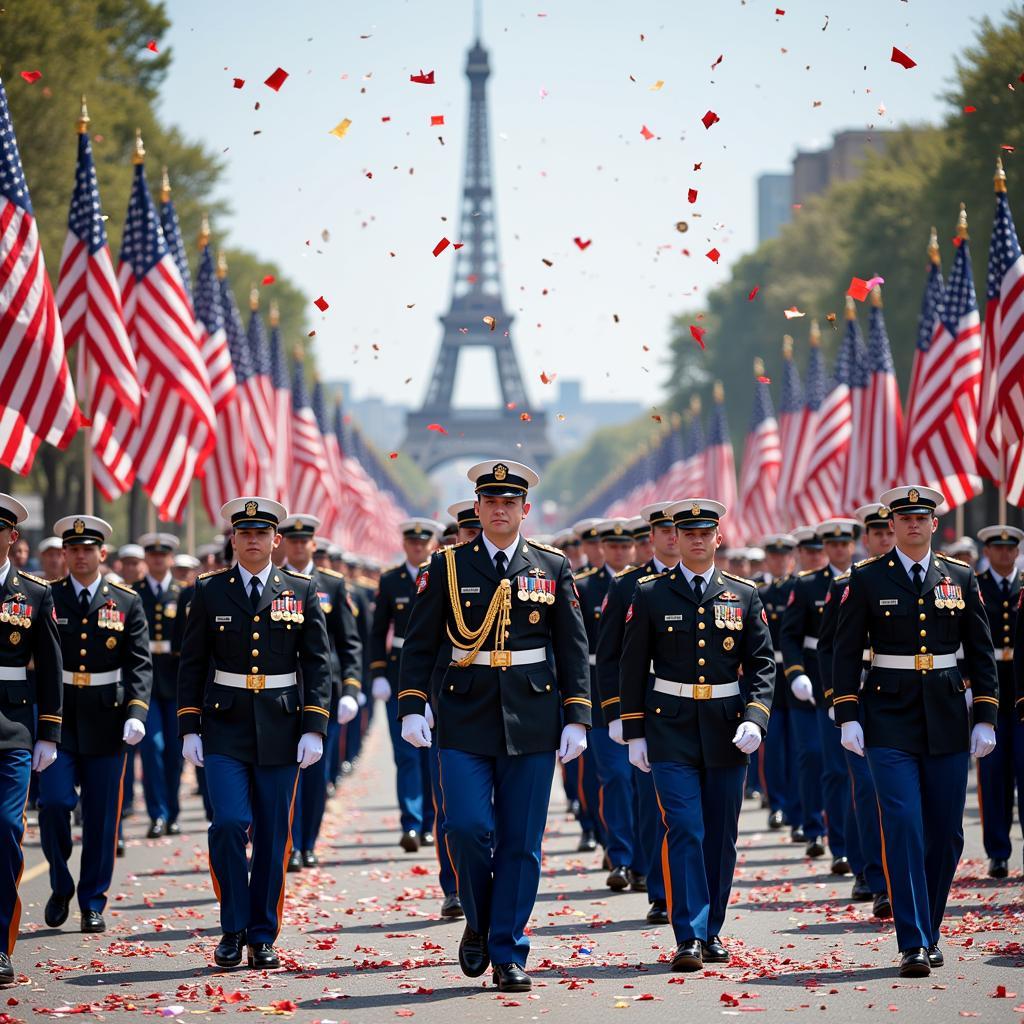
<point>213,572</point>
<point>866,561</point>
<point>545,547</point>
<point>123,586</point>
<point>647,579</point>
<point>34,579</point>
<point>300,575</point>
<point>739,579</point>
<point>948,558</point>
<point>332,573</point>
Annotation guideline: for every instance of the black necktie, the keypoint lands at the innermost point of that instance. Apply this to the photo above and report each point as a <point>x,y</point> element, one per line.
<point>918,575</point>
<point>500,563</point>
<point>254,591</point>
<point>1005,588</point>
<point>84,601</point>
<point>698,586</point>
<point>159,592</point>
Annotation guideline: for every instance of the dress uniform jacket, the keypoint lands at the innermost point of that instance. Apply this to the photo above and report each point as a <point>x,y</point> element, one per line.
<point>827,634</point>
<point>340,618</point>
<point>592,585</point>
<point>392,606</point>
<point>918,710</point>
<point>113,635</point>
<point>611,634</point>
<point>259,726</point>
<point>161,616</point>
<point>688,643</point>
<point>362,594</point>
<point>1002,617</point>
<point>774,594</point>
<point>28,631</point>
<point>800,624</point>
<point>516,709</point>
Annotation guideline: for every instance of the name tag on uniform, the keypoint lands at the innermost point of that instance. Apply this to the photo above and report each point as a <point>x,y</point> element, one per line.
<point>401,602</point>
<point>222,618</point>
<point>819,604</point>
<point>469,590</point>
<point>673,618</point>
<point>62,622</point>
<point>888,600</point>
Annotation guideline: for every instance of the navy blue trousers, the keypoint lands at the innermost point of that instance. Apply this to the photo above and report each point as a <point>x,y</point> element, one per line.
<point>615,799</point>
<point>998,775</point>
<point>495,809</point>
<point>835,783</point>
<point>808,760</point>
<point>248,796</point>
<point>445,866</point>
<point>650,833</point>
<point>921,800</point>
<point>100,781</point>
<point>588,790</point>
<point>15,774</point>
<point>310,801</point>
<point>408,774</point>
<point>864,836</point>
<point>781,771</point>
<point>331,762</point>
<point>160,751</point>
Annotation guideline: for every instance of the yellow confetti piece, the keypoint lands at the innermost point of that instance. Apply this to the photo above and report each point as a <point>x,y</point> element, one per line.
<point>657,85</point>
<point>341,128</point>
<point>620,1005</point>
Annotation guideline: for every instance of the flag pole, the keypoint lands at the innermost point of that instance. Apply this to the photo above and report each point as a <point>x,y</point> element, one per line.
<point>84,388</point>
<point>999,186</point>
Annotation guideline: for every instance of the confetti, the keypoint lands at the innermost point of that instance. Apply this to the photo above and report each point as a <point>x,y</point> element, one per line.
<point>646,132</point>
<point>710,118</point>
<point>970,110</point>
<point>423,79</point>
<point>277,79</point>
<point>31,76</point>
<point>763,380</point>
<point>580,244</point>
<point>392,455</point>
<point>718,61</point>
<point>525,417</point>
<point>436,119</point>
<point>697,333</point>
<point>657,85</point>
<point>713,254</point>
<point>903,59</point>
<point>151,46</point>
<point>437,428</point>
<point>322,304</point>
<point>691,195</point>
<point>441,246</point>
<point>753,293</point>
<point>682,227</point>
<point>872,281</point>
<point>779,11</point>
<point>858,289</point>
<point>268,279</point>
<point>340,130</point>
<point>490,322</point>
<point>238,82</point>
<point>793,313</point>
<point>547,378</point>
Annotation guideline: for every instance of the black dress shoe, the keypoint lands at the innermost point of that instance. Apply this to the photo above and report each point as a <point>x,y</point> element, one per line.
<point>998,868</point>
<point>310,859</point>
<point>815,847</point>
<point>687,956</point>
<point>7,977</point>
<point>452,907</point>
<point>618,879</point>
<point>841,866</point>
<point>56,912</point>
<point>295,861</point>
<point>881,907</point>
<point>657,913</point>
<point>92,922</point>
<point>473,958</point>
<point>174,829</point>
<point>714,952</point>
<point>935,957</point>
<point>587,843</point>
<point>796,834</point>
<point>861,890</point>
<point>511,978</point>
<point>637,882</point>
<point>428,839</point>
<point>262,956</point>
<point>120,847</point>
<point>229,950</point>
<point>776,820</point>
<point>157,828</point>
<point>410,841</point>
<point>914,963</point>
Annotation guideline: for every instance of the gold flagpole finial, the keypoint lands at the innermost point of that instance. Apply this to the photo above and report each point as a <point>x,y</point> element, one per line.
<point>933,248</point>
<point>254,298</point>
<point>275,315</point>
<point>814,334</point>
<point>718,391</point>
<point>139,156</point>
<point>876,296</point>
<point>961,223</point>
<point>222,265</point>
<point>758,366</point>
<point>204,232</point>
<point>695,405</point>
<point>83,118</point>
<point>165,187</point>
<point>1000,179</point>
<point>297,353</point>
<point>851,308</point>
<point>787,346</point>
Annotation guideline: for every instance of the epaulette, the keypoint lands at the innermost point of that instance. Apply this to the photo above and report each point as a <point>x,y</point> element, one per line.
<point>424,564</point>
<point>739,579</point>
<point>806,572</point>
<point>212,572</point>
<point>295,572</point>
<point>582,574</point>
<point>545,547</point>
<point>331,572</point>
<point>123,586</point>
<point>365,581</point>
<point>627,570</point>
<point>34,579</point>
<point>647,579</point>
<point>842,576</point>
<point>866,561</point>
<point>948,558</point>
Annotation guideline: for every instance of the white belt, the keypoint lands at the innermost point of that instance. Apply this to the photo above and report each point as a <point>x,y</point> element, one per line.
<point>397,642</point>
<point>91,678</point>
<point>810,643</point>
<point>503,659</point>
<point>159,646</point>
<point>1004,653</point>
<point>591,659</point>
<point>865,655</point>
<point>778,657</point>
<point>919,662</point>
<point>254,681</point>
<point>13,674</point>
<point>699,691</point>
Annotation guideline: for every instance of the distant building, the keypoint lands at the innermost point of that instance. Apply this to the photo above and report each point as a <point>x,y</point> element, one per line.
<point>774,204</point>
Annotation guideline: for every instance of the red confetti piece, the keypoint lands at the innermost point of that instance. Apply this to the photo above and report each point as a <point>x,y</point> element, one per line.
<point>858,289</point>
<point>459,245</point>
<point>31,76</point>
<point>717,62</point>
<point>764,380</point>
<point>547,378</point>
<point>713,255</point>
<point>697,333</point>
<point>646,132</point>
<point>441,246</point>
<point>392,455</point>
<point>525,417</point>
<point>753,293</point>
<point>386,118</point>
<point>269,279</point>
<point>1009,149</point>
<point>1001,993</point>
<point>436,119</point>
<point>903,59</point>
<point>580,244</point>
<point>710,118</point>
<point>322,304</point>
<point>277,79</point>
<point>779,11</point>
<point>970,110</point>
<point>437,428</point>
<point>691,195</point>
<point>284,1005</point>
<point>151,46</point>
<point>423,79</point>
<point>794,314</point>
<point>238,83</point>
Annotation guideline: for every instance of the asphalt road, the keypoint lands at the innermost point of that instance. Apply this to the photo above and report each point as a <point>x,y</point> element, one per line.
<point>362,940</point>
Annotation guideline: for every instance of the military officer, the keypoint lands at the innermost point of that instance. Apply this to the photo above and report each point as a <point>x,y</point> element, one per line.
<point>911,719</point>
<point>392,605</point>
<point>131,563</point>
<point>254,721</point>
<point>299,533</point>
<point>1003,771</point>
<point>649,831</point>
<point>51,558</point>
<point>696,723</point>
<point>108,679</point>
<point>496,606</point>
<point>643,549</point>
<point>27,631</point>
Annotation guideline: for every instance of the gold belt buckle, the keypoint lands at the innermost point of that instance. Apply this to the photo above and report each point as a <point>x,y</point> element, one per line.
<point>501,659</point>
<point>702,691</point>
<point>80,678</point>
<point>1007,654</point>
<point>255,682</point>
<point>924,662</point>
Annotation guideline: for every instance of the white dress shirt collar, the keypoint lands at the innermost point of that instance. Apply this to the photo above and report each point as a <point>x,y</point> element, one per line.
<point>492,549</point>
<point>4,572</point>
<point>705,576</point>
<point>412,570</point>
<point>308,571</point>
<point>660,566</point>
<point>263,575</point>
<point>91,587</point>
<point>165,583</point>
<point>999,579</point>
<point>908,563</point>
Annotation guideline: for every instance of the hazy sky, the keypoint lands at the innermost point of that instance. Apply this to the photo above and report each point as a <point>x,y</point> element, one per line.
<point>568,154</point>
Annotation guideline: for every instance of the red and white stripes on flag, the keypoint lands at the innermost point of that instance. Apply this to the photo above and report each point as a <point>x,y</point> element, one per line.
<point>311,491</point>
<point>280,399</point>
<point>855,478</point>
<point>884,441</point>
<point>762,460</point>
<point>804,430</point>
<point>793,415</point>
<point>1004,315</point>
<point>37,399</point>
<point>720,467</point>
<point>89,300</point>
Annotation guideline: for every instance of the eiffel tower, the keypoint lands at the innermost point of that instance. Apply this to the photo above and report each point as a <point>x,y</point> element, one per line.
<point>476,293</point>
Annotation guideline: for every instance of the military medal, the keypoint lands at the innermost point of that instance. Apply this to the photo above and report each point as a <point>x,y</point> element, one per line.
<point>15,637</point>
<point>299,617</point>
<point>111,642</point>
<point>728,643</point>
<point>534,617</point>
<point>275,610</point>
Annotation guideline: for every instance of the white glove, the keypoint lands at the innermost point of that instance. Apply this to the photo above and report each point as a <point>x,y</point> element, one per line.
<point>192,748</point>
<point>747,738</point>
<point>638,754</point>
<point>361,698</point>
<point>348,708</point>
<point>311,749</point>
<point>853,738</point>
<point>429,716</point>
<point>416,731</point>
<point>134,730</point>
<point>969,697</point>
<point>802,689</point>
<point>615,731</point>
<point>831,713</point>
<point>44,753</point>
<point>381,688</point>
<point>573,743</point>
<point>983,740</point>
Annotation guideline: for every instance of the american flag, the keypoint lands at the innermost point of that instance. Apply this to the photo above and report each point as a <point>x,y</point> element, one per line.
<point>89,301</point>
<point>720,467</point>
<point>360,504</point>
<point>231,468</point>
<point>942,430</point>
<point>311,490</point>
<point>686,475</point>
<point>332,468</point>
<point>806,427</point>
<point>762,460</point>
<point>176,433</point>
<point>855,479</point>
<point>883,442</point>
<point>820,495</point>
<point>172,232</point>
<point>280,403</point>
<point>792,417</point>
<point>37,399</point>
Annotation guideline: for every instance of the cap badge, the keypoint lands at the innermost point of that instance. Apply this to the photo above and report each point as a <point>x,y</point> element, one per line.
<point>695,509</point>
<point>883,512</point>
<point>251,508</point>
<point>618,531</point>
<point>500,471</point>
<point>837,531</point>
<point>912,494</point>
<point>79,526</point>
<point>1004,535</point>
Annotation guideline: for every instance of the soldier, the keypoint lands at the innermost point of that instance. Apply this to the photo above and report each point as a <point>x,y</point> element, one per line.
<point>643,549</point>
<point>503,602</point>
<point>391,615</point>
<point>108,678</point>
<point>27,631</point>
<point>51,559</point>
<point>696,723</point>
<point>917,608</point>
<point>346,654</point>
<point>131,565</point>
<point>185,568</point>
<point>1003,771</point>
<point>253,722</point>
<point>649,831</point>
